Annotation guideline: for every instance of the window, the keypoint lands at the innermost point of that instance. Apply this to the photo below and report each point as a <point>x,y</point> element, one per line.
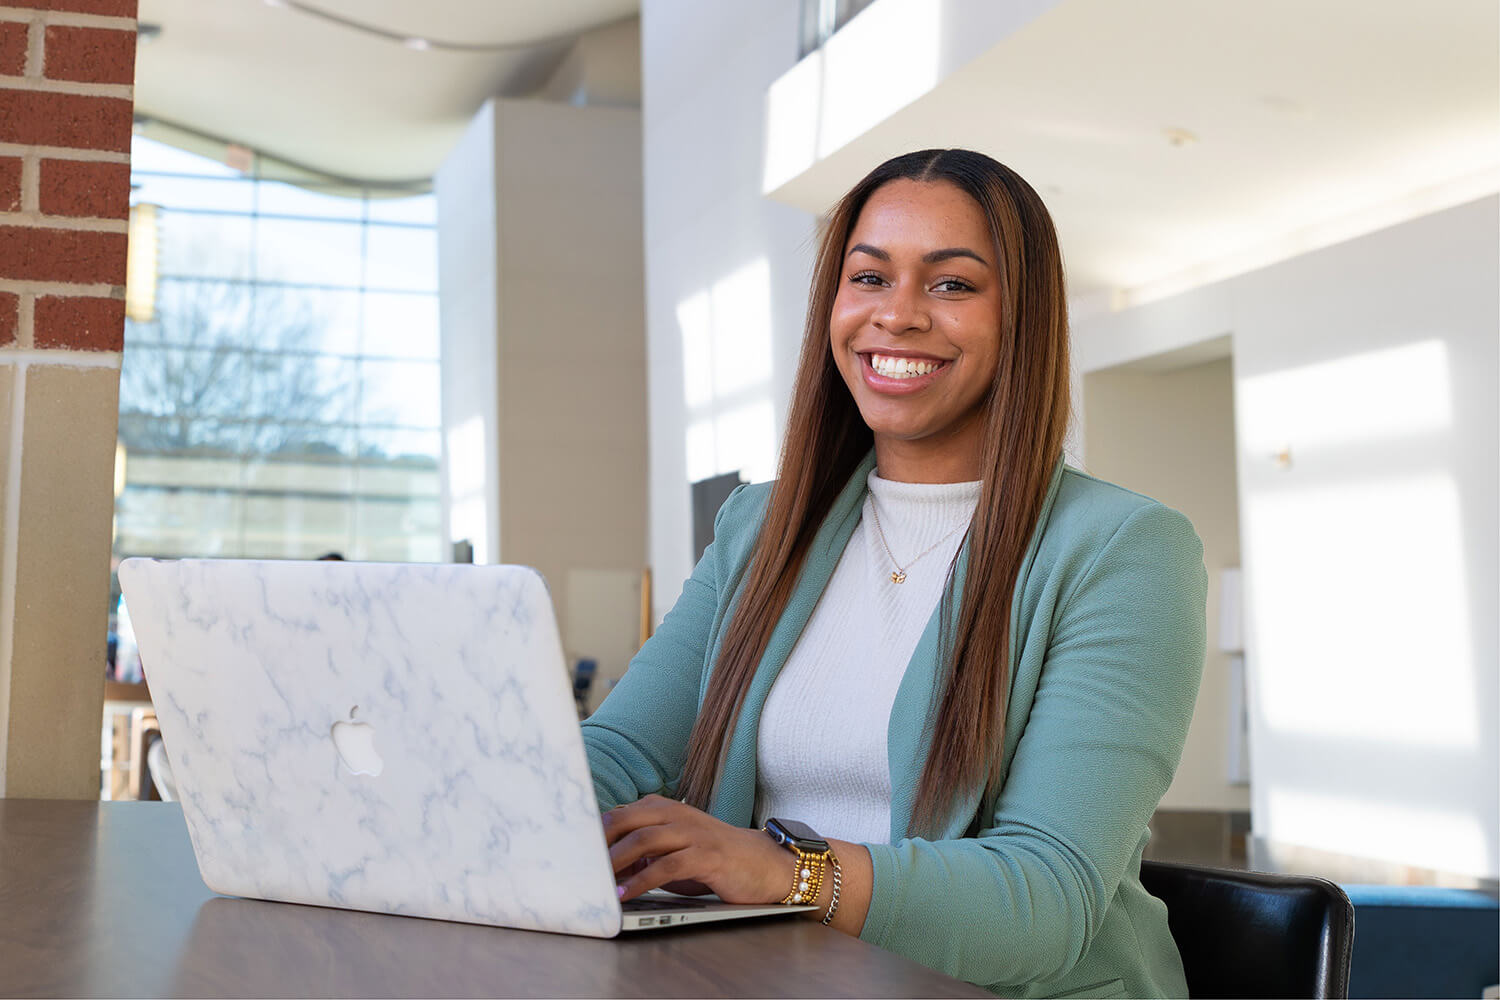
<point>821,18</point>
<point>283,401</point>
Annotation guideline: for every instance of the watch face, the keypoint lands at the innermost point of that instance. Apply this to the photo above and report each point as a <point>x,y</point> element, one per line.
<point>804,836</point>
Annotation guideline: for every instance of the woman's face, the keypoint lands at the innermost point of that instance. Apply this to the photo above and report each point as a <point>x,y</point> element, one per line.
<point>915,328</point>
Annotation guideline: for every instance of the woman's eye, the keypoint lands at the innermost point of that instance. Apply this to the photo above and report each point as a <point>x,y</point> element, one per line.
<point>953,285</point>
<point>865,278</point>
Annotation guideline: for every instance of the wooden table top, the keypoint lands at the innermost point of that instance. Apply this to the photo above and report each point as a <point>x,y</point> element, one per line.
<point>104,899</point>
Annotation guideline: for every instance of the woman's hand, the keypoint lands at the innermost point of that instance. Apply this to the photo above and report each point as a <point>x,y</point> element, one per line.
<point>661,843</point>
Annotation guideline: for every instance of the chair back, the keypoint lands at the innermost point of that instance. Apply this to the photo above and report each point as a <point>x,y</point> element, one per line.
<point>1253,934</point>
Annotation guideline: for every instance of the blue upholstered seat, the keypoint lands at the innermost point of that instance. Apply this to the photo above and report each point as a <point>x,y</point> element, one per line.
<point>1421,941</point>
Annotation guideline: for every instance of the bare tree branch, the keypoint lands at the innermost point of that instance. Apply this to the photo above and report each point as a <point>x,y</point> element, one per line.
<point>232,367</point>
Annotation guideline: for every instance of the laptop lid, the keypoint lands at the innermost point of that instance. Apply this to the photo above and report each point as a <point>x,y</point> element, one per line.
<point>274,682</point>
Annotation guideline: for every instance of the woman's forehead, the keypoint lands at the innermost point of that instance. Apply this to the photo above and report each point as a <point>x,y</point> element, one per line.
<point>920,214</point>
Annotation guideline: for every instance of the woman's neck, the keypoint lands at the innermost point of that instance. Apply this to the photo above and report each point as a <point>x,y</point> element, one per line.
<point>955,461</point>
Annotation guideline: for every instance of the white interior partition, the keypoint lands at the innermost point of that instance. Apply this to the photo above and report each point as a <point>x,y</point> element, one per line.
<point>1366,416</point>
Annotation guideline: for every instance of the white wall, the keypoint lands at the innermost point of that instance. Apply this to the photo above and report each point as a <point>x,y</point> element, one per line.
<point>726,269</point>
<point>602,68</point>
<point>545,407</point>
<point>1366,410</point>
<point>1170,435</point>
<point>469,315</point>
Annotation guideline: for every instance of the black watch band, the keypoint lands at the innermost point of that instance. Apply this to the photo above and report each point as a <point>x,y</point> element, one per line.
<point>791,833</point>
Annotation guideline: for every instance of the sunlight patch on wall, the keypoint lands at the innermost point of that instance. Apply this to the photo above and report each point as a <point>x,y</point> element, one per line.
<point>1379,643</point>
<point>749,434</point>
<point>1435,838</point>
<point>695,317</point>
<point>1378,396</point>
<point>727,370</point>
<point>702,451</point>
<point>742,330</point>
<point>467,465</point>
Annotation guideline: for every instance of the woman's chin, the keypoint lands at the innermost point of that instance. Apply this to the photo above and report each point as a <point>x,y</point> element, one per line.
<point>907,434</point>
<point>893,417</point>
<point>925,439</point>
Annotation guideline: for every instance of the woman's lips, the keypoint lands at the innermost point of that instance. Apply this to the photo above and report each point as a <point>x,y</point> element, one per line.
<point>898,382</point>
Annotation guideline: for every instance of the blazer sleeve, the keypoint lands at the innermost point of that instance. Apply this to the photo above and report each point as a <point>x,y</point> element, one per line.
<point>637,741</point>
<point>1022,901</point>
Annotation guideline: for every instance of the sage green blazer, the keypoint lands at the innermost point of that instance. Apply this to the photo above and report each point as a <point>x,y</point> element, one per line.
<point>1035,892</point>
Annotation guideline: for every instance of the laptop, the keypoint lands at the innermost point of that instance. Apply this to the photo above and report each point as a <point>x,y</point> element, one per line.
<point>399,738</point>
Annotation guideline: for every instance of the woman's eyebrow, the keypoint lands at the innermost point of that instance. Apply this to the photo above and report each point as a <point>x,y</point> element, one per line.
<point>865,248</point>
<point>938,256</point>
<point>933,257</point>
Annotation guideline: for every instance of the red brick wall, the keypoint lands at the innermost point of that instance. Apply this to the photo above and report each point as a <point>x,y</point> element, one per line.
<point>66,72</point>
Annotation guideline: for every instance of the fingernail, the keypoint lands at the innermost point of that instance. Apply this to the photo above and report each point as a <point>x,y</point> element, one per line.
<point>620,891</point>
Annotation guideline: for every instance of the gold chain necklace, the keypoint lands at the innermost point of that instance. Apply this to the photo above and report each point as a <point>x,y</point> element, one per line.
<point>899,574</point>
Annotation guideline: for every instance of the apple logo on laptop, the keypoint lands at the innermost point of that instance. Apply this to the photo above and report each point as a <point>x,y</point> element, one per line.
<point>355,742</point>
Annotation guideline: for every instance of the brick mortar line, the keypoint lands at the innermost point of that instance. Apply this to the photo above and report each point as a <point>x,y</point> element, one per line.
<point>35,33</point>
<point>31,183</point>
<point>95,290</point>
<point>59,357</point>
<point>92,224</point>
<point>67,18</point>
<point>64,153</point>
<point>26,320</point>
<point>38,84</point>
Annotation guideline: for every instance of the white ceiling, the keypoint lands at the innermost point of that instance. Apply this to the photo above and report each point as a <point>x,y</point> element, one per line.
<point>337,99</point>
<point>1314,119</point>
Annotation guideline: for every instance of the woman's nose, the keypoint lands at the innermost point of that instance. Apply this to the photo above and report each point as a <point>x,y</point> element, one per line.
<point>902,310</point>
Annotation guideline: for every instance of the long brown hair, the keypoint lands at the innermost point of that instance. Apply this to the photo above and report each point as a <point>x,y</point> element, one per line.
<point>826,439</point>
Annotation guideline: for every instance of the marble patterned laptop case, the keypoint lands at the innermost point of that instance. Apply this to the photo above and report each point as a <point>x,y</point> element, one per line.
<point>482,809</point>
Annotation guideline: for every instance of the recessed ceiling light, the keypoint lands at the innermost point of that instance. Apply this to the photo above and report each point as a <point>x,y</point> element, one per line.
<point>1179,136</point>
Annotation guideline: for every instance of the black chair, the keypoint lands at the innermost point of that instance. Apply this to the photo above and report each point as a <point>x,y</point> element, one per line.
<point>1251,934</point>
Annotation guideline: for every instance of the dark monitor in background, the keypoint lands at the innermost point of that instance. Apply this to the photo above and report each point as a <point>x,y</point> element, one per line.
<point>708,496</point>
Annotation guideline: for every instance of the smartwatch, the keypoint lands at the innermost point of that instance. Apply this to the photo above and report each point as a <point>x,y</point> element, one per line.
<point>798,836</point>
<point>811,851</point>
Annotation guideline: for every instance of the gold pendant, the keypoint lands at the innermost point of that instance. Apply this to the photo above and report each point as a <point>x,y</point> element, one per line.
<point>898,577</point>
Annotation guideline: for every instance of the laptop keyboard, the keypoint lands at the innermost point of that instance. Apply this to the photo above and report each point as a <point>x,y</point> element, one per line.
<point>642,905</point>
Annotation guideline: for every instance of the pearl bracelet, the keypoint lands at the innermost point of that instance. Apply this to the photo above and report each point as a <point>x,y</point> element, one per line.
<point>807,876</point>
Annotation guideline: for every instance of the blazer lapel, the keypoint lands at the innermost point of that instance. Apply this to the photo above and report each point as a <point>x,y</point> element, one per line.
<point>734,798</point>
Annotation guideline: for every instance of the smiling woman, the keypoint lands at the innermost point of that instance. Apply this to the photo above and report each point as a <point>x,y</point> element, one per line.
<point>958,766</point>
<point>915,331</point>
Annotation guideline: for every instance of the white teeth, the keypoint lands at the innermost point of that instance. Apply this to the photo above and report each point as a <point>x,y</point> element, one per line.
<point>891,367</point>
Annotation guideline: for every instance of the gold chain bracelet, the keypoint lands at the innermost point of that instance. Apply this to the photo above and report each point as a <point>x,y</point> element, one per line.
<point>838,883</point>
